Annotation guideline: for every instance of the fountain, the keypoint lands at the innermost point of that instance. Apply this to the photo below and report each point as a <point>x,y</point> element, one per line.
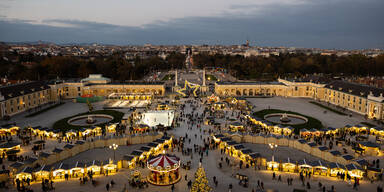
<point>284,118</point>
<point>90,120</point>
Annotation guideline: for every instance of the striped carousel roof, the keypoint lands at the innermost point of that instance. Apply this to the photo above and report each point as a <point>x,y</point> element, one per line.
<point>164,161</point>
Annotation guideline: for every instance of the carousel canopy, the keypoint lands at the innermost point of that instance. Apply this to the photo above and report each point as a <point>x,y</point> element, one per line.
<point>163,161</point>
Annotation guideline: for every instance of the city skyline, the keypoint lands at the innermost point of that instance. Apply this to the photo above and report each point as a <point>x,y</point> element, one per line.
<point>340,24</point>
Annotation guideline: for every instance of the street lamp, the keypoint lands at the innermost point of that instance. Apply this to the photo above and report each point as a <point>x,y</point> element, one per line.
<point>114,147</point>
<point>273,147</point>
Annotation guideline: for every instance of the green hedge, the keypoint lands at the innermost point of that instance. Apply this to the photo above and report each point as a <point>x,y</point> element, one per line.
<point>63,125</point>
<point>312,122</point>
<point>44,110</point>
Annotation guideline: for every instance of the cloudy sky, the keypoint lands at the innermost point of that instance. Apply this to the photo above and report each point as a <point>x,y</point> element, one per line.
<point>350,24</point>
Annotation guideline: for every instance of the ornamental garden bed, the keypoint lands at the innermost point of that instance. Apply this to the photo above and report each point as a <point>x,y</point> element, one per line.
<point>63,124</point>
<point>311,123</point>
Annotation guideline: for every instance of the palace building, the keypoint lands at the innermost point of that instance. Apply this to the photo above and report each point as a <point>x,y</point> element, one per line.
<point>358,98</point>
<point>21,97</point>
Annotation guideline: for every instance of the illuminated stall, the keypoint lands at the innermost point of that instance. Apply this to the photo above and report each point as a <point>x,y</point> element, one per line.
<point>319,168</point>
<point>141,128</point>
<point>138,154</point>
<point>77,169</point>
<point>71,133</point>
<point>355,171</point>
<point>146,151</point>
<point>273,164</point>
<point>304,133</point>
<point>218,106</point>
<point>129,161</point>
<point>331,131</point>
<point>9,146</point>
<point>111,128</point>
<point>245,155</point>
<point>43,172</point>
<point>163,106</point>
<point>164,169</point>
<point>370,148</point>
<point>379,131</point>
<point>236,126</point>
<point>25,174</point>
<point>336,169</point>
<point>304,166</point>
<point>109,167</point>
<point>60,170</point>
<point>236,152</point>
<point>94,167</point>
<point>288,165</point>
<point>288,130</point>
<point>217,137</point>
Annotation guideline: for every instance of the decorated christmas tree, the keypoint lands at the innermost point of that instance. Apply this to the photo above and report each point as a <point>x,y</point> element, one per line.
<point>201,182</point>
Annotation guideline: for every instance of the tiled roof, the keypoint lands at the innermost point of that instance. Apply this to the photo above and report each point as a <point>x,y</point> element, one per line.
<point>17,90</point>
<point>354,89</point>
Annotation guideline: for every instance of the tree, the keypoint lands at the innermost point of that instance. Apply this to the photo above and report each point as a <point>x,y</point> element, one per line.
<point>201,182</point>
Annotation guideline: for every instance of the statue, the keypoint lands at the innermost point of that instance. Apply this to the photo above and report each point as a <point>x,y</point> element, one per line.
<point>284,118</point>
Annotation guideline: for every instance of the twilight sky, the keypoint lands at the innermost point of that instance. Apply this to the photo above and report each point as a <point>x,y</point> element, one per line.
<point>350,24</point>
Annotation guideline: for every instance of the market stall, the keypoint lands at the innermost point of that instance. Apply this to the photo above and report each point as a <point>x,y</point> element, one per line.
<point>288,165</point>
<point>218,106</point>
<point>336,169</point>
<point>60,170</point>
<point>109,167</point>
<point>355,171</point>
<point>164,169</point>
<point>319,168</point>
<point>94,167</point>
<point>141,128</point>
<point>236,126</point>
<point>25,174</point>
<point>273,164</point>
<point>43,172</point>
<point>305,167</point>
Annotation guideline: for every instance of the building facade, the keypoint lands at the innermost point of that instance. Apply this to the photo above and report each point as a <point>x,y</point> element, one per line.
<point>362,99</point>
<point>17,98</point>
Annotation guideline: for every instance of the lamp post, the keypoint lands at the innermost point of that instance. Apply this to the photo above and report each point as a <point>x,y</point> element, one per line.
<point>273,147</point>
<point>114,147</point>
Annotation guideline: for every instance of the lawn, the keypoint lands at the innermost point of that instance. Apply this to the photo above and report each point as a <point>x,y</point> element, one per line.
<point>63,125</point>
<point>312,122</point>
<point>327,108</point>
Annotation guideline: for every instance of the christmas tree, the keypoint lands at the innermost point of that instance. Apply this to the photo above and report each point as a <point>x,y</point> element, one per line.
<point>201,182</point>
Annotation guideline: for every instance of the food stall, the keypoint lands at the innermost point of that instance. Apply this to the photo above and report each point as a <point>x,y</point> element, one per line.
<point>94,167</point>
<point>288,165</point>
<point>109,167</point>
<point>336,169</point>
<point>43,172</point>
<point>273,164</point>
<point>319,168</point>
<point>354,171</point>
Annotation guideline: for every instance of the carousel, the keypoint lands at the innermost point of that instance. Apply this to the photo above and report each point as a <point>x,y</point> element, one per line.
<point>164,170</point>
